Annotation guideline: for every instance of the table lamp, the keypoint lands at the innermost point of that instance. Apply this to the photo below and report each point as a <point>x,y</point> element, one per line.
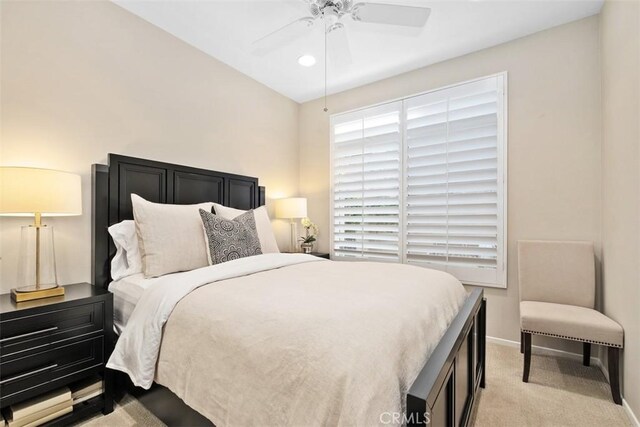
<point>38,192</point>
<point>292,209</point>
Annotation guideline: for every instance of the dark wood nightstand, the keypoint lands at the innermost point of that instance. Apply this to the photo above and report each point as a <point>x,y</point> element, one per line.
<point>321,255</point>
<point>53,342</point>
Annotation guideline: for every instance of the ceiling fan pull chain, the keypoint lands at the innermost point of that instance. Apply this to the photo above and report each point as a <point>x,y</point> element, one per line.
<point>325,64</point>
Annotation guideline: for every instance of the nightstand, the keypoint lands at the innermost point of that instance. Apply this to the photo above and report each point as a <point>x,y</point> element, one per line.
<point>50,343</point>
<point>321,255</point>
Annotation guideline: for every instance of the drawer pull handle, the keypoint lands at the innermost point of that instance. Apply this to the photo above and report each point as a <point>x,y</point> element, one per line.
<point>28,374</point>
<point>28,334</point>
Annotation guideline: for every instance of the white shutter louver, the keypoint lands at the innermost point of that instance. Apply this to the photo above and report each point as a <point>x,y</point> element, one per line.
<point>366,183</point>
<point>421,181</point>
<point>452,193</point>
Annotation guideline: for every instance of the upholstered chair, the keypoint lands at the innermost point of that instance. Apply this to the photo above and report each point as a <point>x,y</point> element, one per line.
<point>557,299</point>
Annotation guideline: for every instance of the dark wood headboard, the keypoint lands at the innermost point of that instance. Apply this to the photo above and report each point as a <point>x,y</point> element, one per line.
<point>113,184</point>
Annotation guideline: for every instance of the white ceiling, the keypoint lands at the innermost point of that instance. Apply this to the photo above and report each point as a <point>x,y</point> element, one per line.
<point>226,29</point>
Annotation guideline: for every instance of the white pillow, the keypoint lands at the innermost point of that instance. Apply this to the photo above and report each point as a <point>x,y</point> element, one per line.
<point>170,236</point>
<point>127,260</point>
<point>263,225</point>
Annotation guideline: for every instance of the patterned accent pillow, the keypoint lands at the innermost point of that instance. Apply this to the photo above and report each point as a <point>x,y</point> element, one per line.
<point>229,239</point>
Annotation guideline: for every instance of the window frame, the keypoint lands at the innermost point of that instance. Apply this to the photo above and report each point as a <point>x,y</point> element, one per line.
<point>502,170</point>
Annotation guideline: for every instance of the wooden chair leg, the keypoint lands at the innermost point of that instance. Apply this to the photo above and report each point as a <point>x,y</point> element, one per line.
<point>521,342</point>
<point>586,353</point>
<point>614,374</point>
<point>527,356</point>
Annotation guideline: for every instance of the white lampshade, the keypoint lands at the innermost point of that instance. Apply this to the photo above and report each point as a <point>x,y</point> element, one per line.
<point>27,191</point>
<point>294,207</point>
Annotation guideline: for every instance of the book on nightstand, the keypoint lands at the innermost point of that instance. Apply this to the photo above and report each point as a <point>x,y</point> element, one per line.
<point>86,390</point>
<point>39,410</point>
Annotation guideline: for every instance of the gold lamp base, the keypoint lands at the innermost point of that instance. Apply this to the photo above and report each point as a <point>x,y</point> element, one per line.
<point>29,293</point>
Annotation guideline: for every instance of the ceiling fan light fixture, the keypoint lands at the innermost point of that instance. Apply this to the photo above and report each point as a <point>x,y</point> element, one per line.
<point>307,60</point>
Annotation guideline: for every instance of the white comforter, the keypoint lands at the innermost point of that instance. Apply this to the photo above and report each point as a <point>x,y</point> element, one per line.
<point>301,341</point>
<point>136,351</point>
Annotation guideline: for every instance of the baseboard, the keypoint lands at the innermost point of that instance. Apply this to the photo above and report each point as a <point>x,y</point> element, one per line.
<point>595,361</point>
<point>630,414</point>
<point>546,351</point>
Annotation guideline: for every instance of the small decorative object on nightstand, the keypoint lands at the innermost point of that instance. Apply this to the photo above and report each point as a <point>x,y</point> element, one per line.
<point>55,349</point>
<point>37,193</point>
<point>310,235</point>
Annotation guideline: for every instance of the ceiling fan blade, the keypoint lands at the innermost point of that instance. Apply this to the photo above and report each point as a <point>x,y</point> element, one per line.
<point>392,14</point>
<point>282,36</point>
<point>338,46</point>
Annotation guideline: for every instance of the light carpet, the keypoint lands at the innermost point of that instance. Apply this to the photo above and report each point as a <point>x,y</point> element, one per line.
<point>126,413</point>
<point>560,393</point>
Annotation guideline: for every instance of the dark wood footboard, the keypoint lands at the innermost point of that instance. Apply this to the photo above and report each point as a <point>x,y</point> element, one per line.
<point>444,393</point>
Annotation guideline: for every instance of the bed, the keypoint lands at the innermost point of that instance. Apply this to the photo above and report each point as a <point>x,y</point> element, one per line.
<point>327,350</point>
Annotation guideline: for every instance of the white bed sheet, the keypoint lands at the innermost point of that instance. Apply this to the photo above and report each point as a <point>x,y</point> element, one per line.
<point>126,294</point>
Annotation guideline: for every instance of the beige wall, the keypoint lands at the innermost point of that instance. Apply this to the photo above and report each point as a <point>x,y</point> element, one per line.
<point>91,78</point>
<point>83,79</point>
<point>620,44</point>
<point>554,142</point>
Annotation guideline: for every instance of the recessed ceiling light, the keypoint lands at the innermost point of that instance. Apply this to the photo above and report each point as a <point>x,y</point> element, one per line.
<point>306,60</point>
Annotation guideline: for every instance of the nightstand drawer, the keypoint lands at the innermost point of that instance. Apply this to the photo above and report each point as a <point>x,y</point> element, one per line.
<point>30,333</point>
<point>55,364</point>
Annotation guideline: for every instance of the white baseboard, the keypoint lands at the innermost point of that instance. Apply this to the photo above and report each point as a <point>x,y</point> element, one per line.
<point>630,414</point>
<point>595,361</point>
<point>625,405</point>
<point>545,350</point>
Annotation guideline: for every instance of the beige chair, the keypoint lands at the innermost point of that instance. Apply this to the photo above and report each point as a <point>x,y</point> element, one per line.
<point>557,299</point>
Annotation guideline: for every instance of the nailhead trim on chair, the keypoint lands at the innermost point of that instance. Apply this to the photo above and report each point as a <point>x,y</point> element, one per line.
<point>571,338</point>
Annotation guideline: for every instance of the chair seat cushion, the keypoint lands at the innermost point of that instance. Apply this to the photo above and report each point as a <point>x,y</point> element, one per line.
<point>570,322</point>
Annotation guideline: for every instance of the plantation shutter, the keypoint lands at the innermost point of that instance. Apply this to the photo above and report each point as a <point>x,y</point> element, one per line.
<point>453,180</point>
<point>366,169</point>
<point>422,181</point>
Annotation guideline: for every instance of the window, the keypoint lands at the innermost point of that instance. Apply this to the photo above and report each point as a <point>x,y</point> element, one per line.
<point>422,181</point>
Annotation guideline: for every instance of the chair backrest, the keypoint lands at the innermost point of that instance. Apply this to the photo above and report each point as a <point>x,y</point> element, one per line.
<point>557,271</point>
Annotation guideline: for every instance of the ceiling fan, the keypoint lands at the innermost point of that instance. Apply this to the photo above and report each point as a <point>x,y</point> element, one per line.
<point>332,12</point>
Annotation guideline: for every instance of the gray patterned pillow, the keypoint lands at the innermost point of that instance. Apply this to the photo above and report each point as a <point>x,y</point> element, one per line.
<point>229,239</point>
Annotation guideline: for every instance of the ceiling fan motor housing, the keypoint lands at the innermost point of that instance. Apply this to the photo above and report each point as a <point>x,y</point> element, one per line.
<point>330,7</point>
